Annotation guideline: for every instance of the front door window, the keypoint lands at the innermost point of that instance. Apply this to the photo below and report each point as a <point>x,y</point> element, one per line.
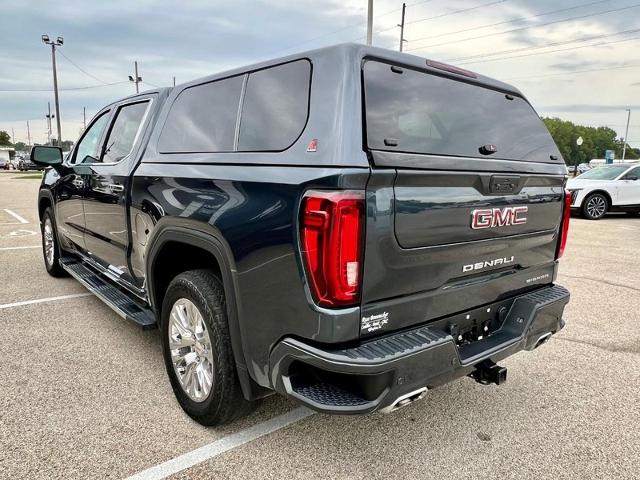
<point>87,151</point>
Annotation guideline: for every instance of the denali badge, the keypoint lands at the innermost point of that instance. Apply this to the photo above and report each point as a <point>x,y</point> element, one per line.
<point>489,263</point>
<point>498,217</point>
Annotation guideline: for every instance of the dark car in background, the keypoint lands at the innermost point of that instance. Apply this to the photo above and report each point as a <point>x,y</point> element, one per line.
<point>25,164</point>
<point>349,227</point>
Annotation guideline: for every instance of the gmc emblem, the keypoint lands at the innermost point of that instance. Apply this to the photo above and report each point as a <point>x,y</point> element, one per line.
<point>498,217</point>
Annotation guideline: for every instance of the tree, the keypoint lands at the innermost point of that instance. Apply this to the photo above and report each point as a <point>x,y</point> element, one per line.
<point>5,139</point>
<point>596,140</point>
<point>20,147</point>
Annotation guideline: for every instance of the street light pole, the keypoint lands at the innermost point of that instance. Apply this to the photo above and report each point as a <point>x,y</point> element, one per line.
<point>402,40</point>
<point>49,117</point>
<point>137,79</point>
<point>58,43</point>
<point>370,23</point>
<point>626,134</point>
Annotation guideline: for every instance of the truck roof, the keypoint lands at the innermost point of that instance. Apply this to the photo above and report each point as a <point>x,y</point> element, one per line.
<point>357,52</point>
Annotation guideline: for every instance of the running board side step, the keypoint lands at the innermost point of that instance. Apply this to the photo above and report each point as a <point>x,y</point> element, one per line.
<point>116,298</point>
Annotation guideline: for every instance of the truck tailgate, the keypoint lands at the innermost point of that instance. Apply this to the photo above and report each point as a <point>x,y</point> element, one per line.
<point>465,199</point>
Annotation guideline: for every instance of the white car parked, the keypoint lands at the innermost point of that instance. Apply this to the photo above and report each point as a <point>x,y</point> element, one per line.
<point>605,189</point>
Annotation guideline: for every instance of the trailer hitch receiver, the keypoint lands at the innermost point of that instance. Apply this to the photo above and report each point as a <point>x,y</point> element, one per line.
<point>487,372</point>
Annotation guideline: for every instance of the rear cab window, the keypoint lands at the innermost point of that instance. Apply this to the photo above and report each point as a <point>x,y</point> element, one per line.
<point>414,111</point>
<point>261,111</point>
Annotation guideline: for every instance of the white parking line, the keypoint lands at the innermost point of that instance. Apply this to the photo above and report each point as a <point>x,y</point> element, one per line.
<point>44,300</point>
<point>20,248</point>
<point>16,216</point>
<point>225,444</point>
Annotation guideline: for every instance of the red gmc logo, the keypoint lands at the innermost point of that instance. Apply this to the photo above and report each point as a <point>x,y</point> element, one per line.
<point>498,217</point>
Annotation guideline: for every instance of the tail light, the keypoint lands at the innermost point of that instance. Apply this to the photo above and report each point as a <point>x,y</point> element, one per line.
<point>564,226</point>
<point>331,238</point>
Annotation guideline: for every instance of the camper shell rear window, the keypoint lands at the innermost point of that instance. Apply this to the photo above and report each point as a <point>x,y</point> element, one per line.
<point>416,111</point>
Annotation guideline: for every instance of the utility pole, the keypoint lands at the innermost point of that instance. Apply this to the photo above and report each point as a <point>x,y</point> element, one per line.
<point>58,43</point>
<point>28,135</point>
<point>174,81</point>
<point>370,23</point>
<point>13,136</point>
<point>402,40</point>
<point>137,79</point>
<point>626,134</point>
<point>84,118</point>
<point>49,117</point>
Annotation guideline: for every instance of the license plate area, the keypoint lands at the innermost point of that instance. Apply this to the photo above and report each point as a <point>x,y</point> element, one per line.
<point>476,324</point>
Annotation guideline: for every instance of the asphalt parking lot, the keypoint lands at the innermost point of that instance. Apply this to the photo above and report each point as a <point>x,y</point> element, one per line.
<point>83,393</point>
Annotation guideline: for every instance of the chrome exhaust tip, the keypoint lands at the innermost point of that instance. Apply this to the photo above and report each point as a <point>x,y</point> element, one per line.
<point>543,339</point>
<point>406,399</point>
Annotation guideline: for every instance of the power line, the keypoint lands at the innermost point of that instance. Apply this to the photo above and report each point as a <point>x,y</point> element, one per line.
<point>528,27</point>
<point>419,20</point>
<point>553,44</point>
<point>553,51</point>
<point>62,89</point>
<point>635,65</point>
<point>583,5</point>
<point>348,27</point>
<point>440,16</point>
<point>81,69</point>
<point>547,46</point>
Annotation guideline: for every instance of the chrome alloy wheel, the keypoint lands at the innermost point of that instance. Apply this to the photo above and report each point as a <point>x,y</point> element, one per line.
<point>190,347</point>
<point>49,242</point>
<point>597,206</point>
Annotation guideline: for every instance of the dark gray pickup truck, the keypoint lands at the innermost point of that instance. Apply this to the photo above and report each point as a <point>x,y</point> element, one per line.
<point>349,227</point>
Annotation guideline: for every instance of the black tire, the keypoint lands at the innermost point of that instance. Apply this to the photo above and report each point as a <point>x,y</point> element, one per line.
<point>225,401</point>
<point>51,260</point>
<point>595,206</point>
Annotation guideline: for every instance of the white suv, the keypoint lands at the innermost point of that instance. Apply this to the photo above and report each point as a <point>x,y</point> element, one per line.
<point>606,189</point>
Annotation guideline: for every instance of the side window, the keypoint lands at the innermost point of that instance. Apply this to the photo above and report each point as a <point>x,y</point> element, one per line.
<point>275,106</point>
<point>124,130</point>
<point>87,150</point>
<point>203,118</point>
<point>635,173</point>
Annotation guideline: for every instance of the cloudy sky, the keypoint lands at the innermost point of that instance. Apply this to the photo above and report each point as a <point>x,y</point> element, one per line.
<point>575,59</point>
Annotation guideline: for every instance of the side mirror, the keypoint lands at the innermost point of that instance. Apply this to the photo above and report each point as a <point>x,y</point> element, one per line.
<point>46,156</point>
<point>631,177</point>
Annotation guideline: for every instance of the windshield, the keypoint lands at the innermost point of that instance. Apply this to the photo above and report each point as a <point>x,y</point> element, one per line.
<point>603,173</point>
<point>418,112</point>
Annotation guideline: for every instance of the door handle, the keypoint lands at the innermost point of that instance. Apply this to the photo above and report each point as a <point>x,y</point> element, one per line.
<point>116,188</point>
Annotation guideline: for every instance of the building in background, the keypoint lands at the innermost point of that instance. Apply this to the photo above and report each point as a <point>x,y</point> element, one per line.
<point>7,153</point>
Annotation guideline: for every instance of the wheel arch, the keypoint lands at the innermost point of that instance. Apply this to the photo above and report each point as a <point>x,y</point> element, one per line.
<point>601,191</point>
<point>170,233</point>
<point>45,199</point>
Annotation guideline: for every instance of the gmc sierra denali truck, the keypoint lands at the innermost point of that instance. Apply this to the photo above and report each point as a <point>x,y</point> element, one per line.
<point>348,227</point>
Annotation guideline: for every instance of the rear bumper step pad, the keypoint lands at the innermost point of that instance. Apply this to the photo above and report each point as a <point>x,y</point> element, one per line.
<point>372,375</point>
